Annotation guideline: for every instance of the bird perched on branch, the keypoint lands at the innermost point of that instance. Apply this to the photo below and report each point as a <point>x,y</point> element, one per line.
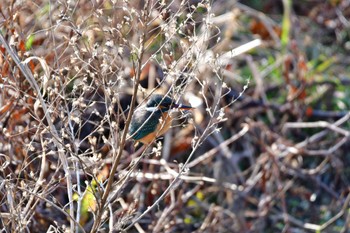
<point>152,120</point>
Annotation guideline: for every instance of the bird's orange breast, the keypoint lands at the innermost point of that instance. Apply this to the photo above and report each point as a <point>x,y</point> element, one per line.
<point>162,127</point>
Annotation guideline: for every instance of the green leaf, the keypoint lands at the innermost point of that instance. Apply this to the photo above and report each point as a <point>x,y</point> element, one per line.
<point>29,42</point>
<point>286,22</point>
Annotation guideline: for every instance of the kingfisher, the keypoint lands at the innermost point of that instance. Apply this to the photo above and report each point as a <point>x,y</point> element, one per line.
<point>153,120</point>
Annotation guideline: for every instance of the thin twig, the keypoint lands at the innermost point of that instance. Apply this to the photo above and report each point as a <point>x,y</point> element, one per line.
<point>60,148</point>
<point>117,157</point>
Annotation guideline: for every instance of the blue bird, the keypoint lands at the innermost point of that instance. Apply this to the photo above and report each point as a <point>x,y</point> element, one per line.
<point>153,119</point>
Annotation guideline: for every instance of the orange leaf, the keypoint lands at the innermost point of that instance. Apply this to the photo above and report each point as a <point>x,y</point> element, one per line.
<point>2,49</point>
<point>257,27</point>
<point>22,46</point>
<point>6,108</point>
<point>309,111</point>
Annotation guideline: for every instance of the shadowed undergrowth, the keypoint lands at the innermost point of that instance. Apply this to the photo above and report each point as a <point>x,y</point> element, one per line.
<point>265,148</point>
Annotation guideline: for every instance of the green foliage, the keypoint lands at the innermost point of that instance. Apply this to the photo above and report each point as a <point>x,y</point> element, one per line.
<point>29,42</point>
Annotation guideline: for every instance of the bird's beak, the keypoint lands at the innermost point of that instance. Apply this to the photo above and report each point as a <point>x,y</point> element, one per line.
<point>181,106</point>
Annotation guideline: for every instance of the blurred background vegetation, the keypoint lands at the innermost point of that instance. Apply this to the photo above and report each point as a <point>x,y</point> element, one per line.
<point>264,150</point>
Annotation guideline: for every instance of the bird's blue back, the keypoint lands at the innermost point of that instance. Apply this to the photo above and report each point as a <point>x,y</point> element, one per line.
<point>144,122</point>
